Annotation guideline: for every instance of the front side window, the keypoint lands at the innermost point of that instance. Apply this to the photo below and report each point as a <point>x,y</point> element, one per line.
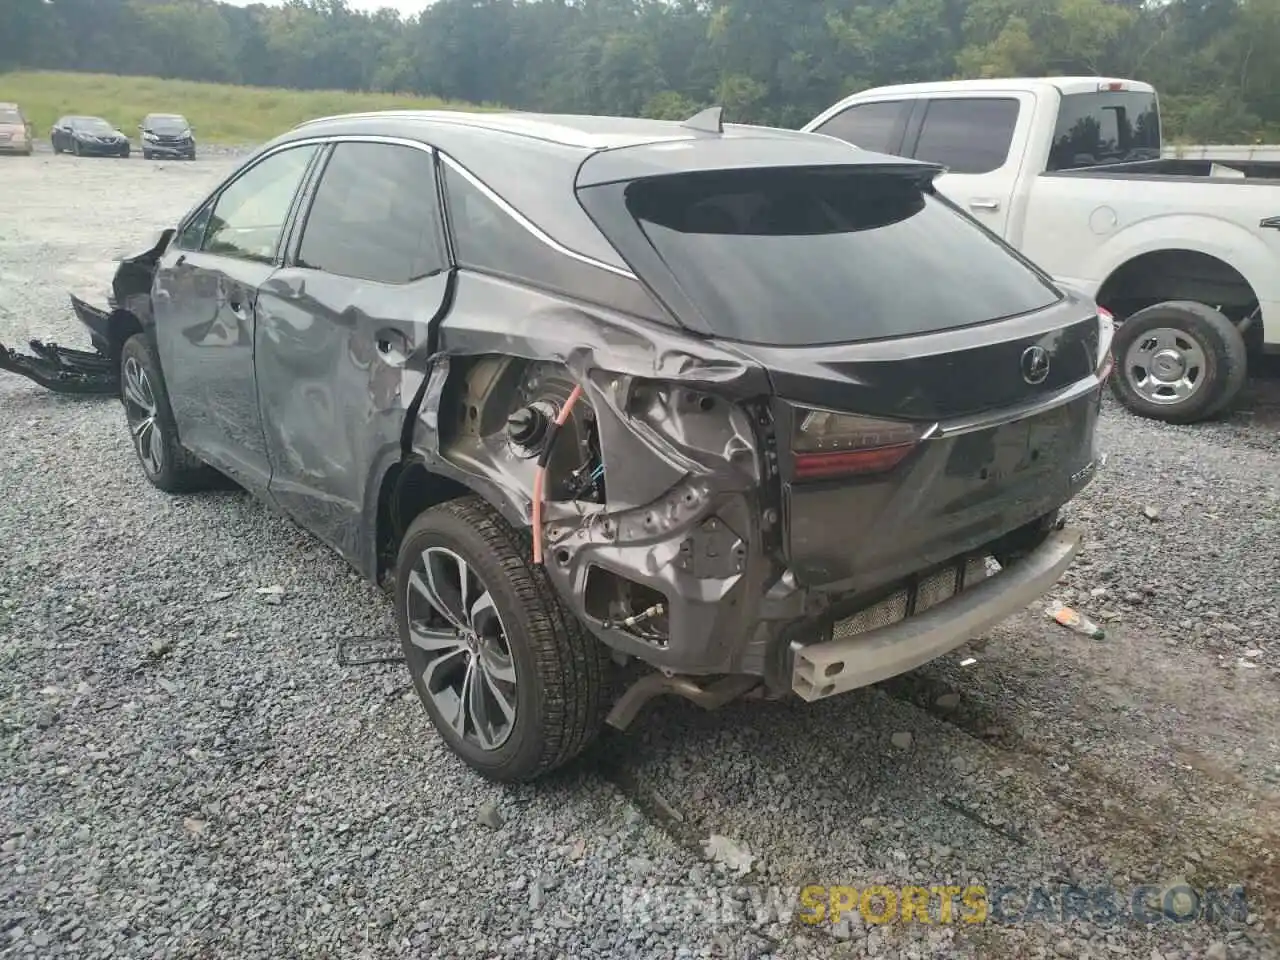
<point>249,215</point>
<point>375,215</point>
<point>968,135</point>
<point>790,257</point>
<point>1105,127</point>
<point>192,235</point>
<point>872,126</point>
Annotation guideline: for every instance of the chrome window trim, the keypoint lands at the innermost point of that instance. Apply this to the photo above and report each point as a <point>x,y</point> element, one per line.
<point>528,225</point>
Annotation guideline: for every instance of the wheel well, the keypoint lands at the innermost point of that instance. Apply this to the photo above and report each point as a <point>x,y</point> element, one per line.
<point>121,325</point>
<point>407,489</point>
<point>1178,275</point>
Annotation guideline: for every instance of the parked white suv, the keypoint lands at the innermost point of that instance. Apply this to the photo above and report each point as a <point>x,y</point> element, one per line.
<point>1184,252</point>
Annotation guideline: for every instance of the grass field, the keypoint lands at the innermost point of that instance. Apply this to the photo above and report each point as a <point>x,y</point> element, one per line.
<point>218,113</point>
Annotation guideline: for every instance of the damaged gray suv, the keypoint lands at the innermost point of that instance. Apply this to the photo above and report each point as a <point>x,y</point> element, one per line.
<point>737,407</point>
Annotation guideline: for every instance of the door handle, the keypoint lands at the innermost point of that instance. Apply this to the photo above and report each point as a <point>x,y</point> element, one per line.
<point>984,204</point>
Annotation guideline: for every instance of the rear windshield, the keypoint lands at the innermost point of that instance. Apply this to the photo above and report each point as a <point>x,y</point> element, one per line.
<point>811,257</point>
<point>1105,127</point>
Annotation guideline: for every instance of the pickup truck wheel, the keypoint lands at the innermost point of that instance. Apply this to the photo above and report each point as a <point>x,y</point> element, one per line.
<point>166,463</point>
<point>511,680</point>
<point>1179,361</point>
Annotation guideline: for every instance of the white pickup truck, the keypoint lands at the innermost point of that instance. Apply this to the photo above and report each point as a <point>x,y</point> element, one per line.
<point>1184,253</point>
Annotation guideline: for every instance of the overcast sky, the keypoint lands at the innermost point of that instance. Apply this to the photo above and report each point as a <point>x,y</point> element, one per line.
<point>405,7</point>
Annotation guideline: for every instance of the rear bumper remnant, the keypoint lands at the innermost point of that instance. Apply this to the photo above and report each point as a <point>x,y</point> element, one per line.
<point>824,669</point>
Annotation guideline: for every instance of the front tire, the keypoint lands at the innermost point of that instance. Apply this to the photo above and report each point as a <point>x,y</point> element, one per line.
<point>1178,361</point>
<point>511,680</point>
<point>166,463</point>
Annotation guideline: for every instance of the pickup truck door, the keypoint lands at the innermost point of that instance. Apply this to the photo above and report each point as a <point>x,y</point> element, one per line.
<point>981,139</point>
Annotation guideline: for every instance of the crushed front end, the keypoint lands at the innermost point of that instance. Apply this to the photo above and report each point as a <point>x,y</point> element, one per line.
<point>66,370</point>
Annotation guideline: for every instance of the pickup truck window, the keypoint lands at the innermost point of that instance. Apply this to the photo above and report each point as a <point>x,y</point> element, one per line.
<point>1105,127</point>
<point>877,127</point>
<point>968,135</point>
<point>777,256</point>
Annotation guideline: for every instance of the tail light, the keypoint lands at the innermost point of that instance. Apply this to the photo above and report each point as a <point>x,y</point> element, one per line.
<point>826,444</point>
<point>1106,333</point>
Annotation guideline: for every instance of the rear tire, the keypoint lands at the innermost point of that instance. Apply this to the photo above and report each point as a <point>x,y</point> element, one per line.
<point>1178,361</point>
<point>166,463</point>
<point>517,644</point>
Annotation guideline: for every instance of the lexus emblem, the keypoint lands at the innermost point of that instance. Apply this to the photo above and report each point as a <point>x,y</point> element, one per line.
<point>1035,364</point>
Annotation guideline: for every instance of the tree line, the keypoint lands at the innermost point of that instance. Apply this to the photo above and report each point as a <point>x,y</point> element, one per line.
<point>1215,62</point>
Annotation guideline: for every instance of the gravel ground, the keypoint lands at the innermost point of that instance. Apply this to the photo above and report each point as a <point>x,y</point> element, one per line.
<point>187,770</point>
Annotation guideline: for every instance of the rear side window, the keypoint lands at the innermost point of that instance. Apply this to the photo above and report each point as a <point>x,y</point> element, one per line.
<point>877,127</point>
<point>1105,127</point>
<point>375,215</point>
<point>828,256</point>
<point>968,135</point>
<point>486,237</point>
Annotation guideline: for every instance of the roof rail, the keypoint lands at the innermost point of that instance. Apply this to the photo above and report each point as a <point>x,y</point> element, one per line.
<point>709,120</point>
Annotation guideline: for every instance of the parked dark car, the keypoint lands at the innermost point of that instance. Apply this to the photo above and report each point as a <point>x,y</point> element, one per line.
<point>89,137</point>
<point>749,406</point>
<point>167,135</point>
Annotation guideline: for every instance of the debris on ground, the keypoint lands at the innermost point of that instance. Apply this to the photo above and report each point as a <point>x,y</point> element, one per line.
<point>666,809</point>
<point>489,816</point>
<point>729,854</point>
<point>1074,620</point>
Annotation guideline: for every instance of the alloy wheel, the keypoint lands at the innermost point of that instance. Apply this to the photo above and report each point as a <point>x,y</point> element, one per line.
<point>141,413</point>
<point>460,649</point>
<point>1165,365</point>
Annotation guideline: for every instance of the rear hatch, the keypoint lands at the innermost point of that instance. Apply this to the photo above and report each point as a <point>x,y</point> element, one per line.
<point>933,390</point>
